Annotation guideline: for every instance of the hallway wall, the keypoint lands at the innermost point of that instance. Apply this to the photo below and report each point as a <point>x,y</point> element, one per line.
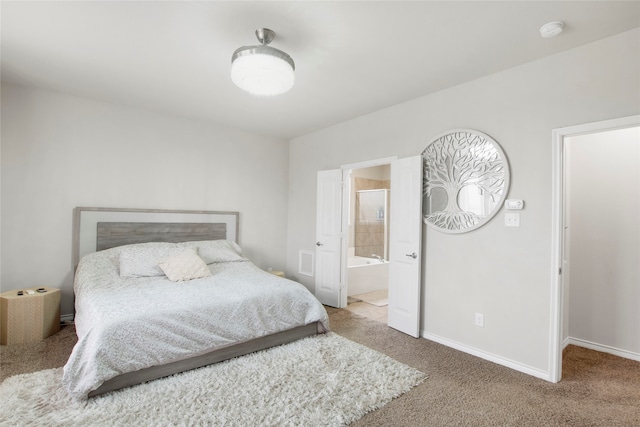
<point>604,228</point>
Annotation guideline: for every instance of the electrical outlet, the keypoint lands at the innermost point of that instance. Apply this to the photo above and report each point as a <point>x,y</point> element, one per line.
<point>512,219</point>
<point>480,320</point>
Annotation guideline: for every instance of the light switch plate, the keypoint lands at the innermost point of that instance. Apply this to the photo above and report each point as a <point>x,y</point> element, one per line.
<point>512,220</point>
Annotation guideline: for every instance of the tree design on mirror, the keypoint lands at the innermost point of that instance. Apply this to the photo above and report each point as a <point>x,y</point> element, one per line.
<point>465,180</point>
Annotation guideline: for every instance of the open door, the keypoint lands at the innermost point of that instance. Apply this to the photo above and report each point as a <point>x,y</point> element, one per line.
<point>329,237</point>
<point>405,243</point>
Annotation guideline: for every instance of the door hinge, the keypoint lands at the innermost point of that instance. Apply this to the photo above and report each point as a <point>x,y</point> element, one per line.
<point>560,270</point>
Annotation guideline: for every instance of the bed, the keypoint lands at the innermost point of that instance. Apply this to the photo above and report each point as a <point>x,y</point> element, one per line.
<point>171,294</point>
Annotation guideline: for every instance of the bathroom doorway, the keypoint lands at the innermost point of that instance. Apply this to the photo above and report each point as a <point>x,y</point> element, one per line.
<point>368,213</point>
<point>405,239</point>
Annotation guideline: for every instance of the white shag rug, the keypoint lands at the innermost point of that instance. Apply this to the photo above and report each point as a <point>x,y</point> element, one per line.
<point>326,380</point>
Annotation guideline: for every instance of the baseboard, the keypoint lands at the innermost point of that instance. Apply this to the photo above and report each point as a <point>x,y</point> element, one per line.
<point>489,356</point>
<point>603,348</point>
<point>66,319</point>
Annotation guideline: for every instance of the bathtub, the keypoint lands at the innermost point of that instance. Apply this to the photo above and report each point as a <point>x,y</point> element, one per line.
<point>366,275</point>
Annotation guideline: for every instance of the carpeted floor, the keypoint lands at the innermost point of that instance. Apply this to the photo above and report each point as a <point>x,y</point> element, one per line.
<point>597,389</point>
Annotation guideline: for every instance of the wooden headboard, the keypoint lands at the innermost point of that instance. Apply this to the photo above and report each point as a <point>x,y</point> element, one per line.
<point>95,229</point>
<point>112,234</point>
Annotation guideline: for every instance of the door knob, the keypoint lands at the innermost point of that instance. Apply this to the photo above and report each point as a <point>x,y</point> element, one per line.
<point>318,244</point>
<point>413,255</point>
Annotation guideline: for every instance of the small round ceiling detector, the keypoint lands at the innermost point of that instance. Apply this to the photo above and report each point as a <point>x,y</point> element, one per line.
<point>551,29</point>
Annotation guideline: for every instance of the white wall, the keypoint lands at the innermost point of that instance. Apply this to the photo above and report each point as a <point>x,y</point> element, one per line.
<point>604,225</point>
<point>59,152</point>
<point>504,273</point>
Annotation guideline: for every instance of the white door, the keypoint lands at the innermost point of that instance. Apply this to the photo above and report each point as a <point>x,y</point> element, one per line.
<point>328,237</point>
<point>405,242</point>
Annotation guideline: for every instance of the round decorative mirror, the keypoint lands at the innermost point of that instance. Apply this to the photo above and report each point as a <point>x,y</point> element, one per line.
<point>465,180</point>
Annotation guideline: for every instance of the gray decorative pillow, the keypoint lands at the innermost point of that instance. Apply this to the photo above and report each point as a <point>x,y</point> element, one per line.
<point>141,260</point>
<point>213,251</point>
<point>186,265</point>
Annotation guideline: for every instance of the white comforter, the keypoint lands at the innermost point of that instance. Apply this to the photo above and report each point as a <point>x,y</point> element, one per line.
<point>124,325</point>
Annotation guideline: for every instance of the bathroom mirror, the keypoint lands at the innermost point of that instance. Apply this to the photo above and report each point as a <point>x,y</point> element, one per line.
<point>465,180</point>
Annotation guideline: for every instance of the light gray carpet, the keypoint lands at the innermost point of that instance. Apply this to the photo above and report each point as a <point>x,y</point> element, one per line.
<point>326,380</point>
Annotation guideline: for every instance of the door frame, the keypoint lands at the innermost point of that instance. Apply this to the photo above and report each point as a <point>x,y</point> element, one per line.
<point>346,194</point>
<point>558,207</point>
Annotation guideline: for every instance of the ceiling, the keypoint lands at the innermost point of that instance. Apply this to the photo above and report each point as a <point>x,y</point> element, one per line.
<point>352,58</point>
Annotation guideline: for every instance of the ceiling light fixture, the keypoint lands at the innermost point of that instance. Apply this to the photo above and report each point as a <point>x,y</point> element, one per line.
<point>551,29</point>
<point>262,70</point>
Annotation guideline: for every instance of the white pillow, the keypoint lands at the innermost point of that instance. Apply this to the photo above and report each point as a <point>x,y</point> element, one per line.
<point>186,265</point>
<point>213,251</point>
<point>141,260</point>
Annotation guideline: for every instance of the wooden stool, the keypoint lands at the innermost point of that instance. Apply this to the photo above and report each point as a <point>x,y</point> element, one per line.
<point>29,317</point>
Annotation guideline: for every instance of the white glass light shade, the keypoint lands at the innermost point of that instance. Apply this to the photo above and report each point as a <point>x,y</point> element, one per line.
<point>262,70</point>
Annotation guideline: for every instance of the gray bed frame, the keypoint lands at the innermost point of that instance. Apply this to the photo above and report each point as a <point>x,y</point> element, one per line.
<point>112,227</point>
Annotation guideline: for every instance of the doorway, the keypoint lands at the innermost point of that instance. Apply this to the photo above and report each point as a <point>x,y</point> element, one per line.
<point>596,239</point>
<point>405,239</point>
<point>368,212</point>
